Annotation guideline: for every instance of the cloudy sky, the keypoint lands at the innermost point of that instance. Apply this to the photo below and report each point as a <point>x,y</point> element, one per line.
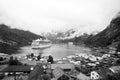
<point>46,15</point>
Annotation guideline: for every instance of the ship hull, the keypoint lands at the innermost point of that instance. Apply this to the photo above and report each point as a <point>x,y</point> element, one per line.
<point>40,44</point>
<point>41,47</point>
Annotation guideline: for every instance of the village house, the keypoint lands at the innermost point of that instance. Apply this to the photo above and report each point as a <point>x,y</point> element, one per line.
<point>71,56</point>
<point>112,50</point>
<point>17,69</point>
<point>99,74</point>
<point>4,58</point>
<point>65,67</point>
<point>91,64</point>
<point>106,55</point>
<point>82,76</point>
<point>86,56</point>
<point>59,74</point>
<point>115,69</point>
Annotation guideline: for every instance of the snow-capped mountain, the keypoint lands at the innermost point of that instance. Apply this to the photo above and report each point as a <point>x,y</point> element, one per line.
<point>71,33</point>
<point>75,33</point>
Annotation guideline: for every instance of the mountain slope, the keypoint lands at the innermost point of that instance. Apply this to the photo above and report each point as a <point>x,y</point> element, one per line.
<point>108,36</point>
<point>11,39</point>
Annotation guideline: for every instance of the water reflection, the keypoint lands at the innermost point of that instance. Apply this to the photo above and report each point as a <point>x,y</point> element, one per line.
<point>56,50</point>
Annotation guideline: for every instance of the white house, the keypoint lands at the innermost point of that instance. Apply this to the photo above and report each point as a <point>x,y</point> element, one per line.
<point>99,58</point>
<point>112,50</point>
<point>106,55</point>
<point>91,64</point>
<point>94,75</point>
<point>99,74</point>
<point>83,55</point>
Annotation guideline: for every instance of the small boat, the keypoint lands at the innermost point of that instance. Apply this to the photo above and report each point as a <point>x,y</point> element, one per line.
<point>41,43</point>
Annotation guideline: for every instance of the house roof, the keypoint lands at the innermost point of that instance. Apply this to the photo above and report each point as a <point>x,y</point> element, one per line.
<point>103,72</point>
<point>58,72</point>
<point>3,67</point>
<point>2,54</point>
<point>113,45</point>
<point>63,66</point>
<point>17,68</point>
<point>36,73</point>
<point>83,77</point>
<point>115,69</point>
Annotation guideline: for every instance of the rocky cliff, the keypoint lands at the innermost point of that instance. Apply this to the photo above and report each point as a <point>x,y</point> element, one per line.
<point>108,36</point>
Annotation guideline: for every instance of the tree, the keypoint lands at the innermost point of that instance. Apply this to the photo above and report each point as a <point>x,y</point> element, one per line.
<point>14,61</point>
<point>50,59</point>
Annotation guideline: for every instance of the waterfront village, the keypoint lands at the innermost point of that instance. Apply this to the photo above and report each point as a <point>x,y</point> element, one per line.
<point>102,65</point>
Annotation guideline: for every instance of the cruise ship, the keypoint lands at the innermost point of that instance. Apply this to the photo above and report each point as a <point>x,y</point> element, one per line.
<point>41,43</point>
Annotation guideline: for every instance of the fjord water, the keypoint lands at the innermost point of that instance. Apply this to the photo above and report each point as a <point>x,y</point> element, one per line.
<point>58,51</point>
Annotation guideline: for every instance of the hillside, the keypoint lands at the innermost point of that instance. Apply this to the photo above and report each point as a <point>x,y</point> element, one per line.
<point>108,36</point>
<point>11,39</point>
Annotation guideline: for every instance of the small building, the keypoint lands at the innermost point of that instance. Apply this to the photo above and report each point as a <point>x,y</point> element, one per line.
<point>36,73</point>
<point>59,74</point>
<point>2,54</point>
<point>86,56</point>
<point>2,67</point>
<point>93,58</point>
<point>81,76</point>
<point>112,50</point>
<point>115,69</point>
<point>17,68</point>
<point>65,67</point>
<point>3,58</point>
<point>100,74</point>
<point>4,62</point>
<point>106,55</point>
<point>91,64</point>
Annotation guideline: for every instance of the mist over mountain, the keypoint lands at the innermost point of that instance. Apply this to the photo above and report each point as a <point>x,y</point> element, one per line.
<point>110,36</point>
<point>70,35</point>
<point>11,39</point>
